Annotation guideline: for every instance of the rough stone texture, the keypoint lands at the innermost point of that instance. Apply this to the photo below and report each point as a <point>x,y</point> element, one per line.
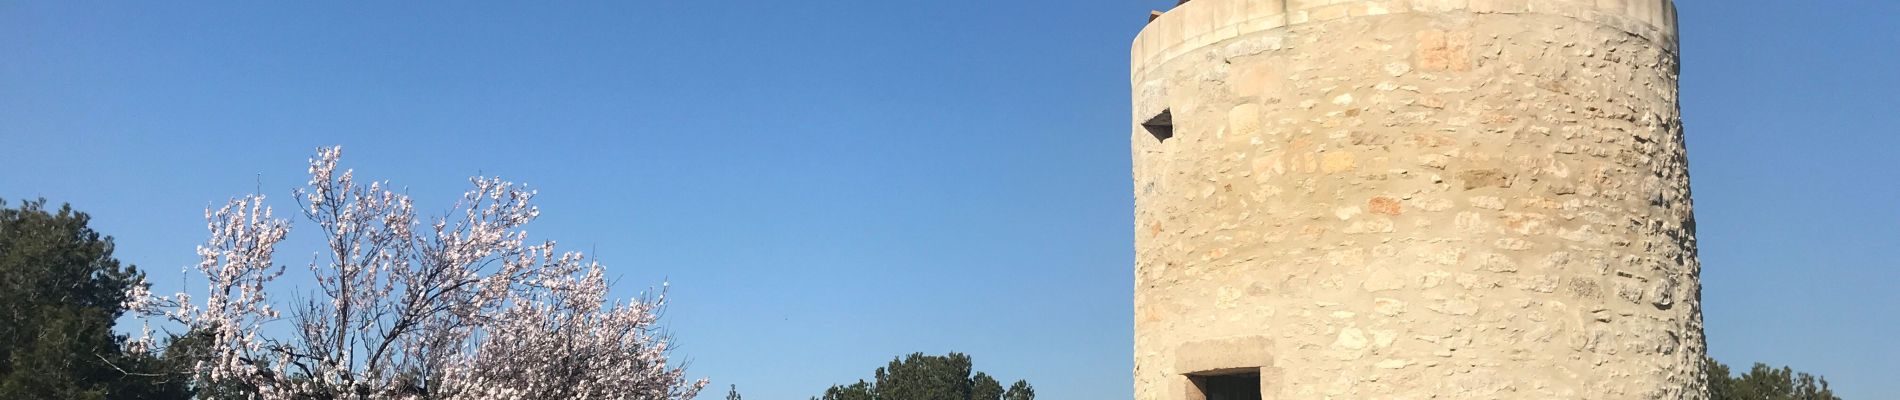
<point>1399,199</point>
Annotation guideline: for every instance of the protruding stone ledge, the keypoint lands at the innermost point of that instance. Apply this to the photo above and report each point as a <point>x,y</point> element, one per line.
<point>1249,352</point>
<point>1201,23</point>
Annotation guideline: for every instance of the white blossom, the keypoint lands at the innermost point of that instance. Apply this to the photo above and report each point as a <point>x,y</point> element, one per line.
<point>462,307</point>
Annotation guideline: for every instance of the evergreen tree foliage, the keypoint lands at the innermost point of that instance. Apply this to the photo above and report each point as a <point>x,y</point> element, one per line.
<point>1020,391</point>
<point>60,293</point>
<point>927,377</point>
<point>921,377</point>
<point>855,391</point>
<point>1765,383</point>
<point>983,387</point>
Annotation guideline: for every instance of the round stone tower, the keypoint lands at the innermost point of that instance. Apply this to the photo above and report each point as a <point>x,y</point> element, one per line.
<point>1409,199</point>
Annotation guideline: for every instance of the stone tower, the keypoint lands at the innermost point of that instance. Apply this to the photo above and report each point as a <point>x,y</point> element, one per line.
<point>1409,199</point>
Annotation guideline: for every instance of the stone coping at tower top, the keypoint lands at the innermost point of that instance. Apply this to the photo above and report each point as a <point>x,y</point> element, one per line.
<point>1200,23</point>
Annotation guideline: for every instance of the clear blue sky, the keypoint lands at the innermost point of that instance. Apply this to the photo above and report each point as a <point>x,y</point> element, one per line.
<point>829,184</point>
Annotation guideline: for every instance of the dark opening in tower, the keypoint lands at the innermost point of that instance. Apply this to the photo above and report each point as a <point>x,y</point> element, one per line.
<point>1161,125</point>
<point>1236,385</point>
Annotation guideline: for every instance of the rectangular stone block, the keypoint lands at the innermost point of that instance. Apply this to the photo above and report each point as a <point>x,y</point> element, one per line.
<point>1383,7</point>
<point>1193,21</point>
<point>1266,9</point>
<point>1639,10</point>
<point>1668,24</point>
<point>1328,13</point>
<point>1441,5</point>
<point>1251,352</point>
<point>1576,8</point>
<point>1167,33</point>
<point>1652,11</point>
<point>1296,5</point>
<point>1500,6</point>
<point>1139,50</point>
<point>1229,11</point>
<point>1613,6</point>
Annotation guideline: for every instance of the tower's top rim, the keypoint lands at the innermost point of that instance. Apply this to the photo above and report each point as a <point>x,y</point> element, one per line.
<point>1199,23</point>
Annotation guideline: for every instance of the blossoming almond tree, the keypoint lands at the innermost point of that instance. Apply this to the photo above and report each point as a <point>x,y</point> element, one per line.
<point>462,307</point>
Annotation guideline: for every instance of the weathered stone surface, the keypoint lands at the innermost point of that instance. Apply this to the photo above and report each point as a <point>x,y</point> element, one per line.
<point>1224,354</point>
<point>1451,199</point>
<point>1384,205</point>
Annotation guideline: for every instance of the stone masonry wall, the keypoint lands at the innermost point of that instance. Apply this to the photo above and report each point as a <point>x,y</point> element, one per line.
<point>1409,199</point>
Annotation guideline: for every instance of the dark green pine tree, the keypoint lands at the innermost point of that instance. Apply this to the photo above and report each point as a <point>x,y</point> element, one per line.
<point>925,377</point>
<point>856,391</point>
<point>922,377</point>
<point>60,292</point>
<point>1020,391</point>
<point>983,387</point>
<point>1766,383</point>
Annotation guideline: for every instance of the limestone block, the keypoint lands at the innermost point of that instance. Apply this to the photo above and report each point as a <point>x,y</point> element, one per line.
<point>1248,352</point>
